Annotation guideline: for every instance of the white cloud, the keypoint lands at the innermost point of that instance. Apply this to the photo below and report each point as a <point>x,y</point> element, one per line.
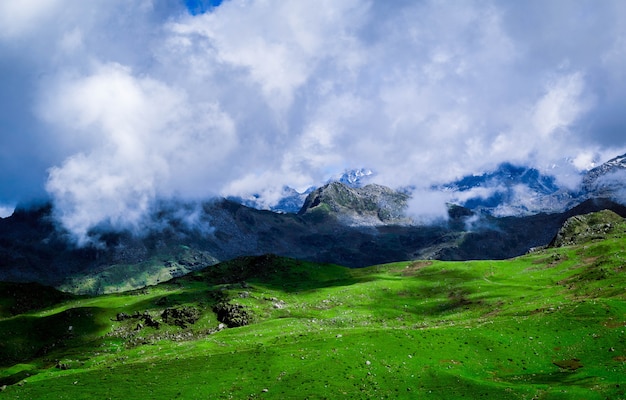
<point>561,106</point>
<point>148,140</point>
<point>278,45</point>
<point>614,183</point>
<point>426,206</point>
<point>139,101</point>
<point>23,17</point>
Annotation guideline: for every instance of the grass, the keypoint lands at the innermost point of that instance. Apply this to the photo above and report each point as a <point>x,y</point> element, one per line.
<point>548,325</point>
<point>173,262</point>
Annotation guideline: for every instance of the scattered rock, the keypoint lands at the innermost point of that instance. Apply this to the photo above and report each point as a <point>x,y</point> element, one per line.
<point>150,321</point>
<point>62,366</point>
<point>181,316</point>
<point>233,315</point>
<point>122,317</point>
<point>147,319</point>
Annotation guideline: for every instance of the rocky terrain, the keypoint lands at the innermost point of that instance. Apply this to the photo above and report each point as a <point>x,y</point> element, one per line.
<point>583,228</point>
<point>371,205</point>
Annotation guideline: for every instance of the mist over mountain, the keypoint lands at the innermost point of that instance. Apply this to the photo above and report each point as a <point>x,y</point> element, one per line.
<point>289,200</point>
<point>514,190</point>
<point>508,190</point>
<point>351,226</point>
<point>494,215</point>
<point>607,180</point>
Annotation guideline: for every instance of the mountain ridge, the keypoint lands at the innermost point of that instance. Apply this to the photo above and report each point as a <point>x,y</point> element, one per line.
<point>32,248</point>
<point>508,190</point>
<point>348,225</point>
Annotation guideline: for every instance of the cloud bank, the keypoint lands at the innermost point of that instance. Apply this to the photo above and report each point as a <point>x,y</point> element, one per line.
<point>111,106</point>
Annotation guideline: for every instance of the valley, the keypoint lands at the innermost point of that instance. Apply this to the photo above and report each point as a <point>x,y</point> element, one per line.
<point>549,324</point>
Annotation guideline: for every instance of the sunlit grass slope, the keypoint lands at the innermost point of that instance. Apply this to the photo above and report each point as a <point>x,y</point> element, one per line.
<point>549,325</point>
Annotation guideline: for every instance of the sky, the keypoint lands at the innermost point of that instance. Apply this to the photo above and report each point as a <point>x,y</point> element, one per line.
<point>109,106</point>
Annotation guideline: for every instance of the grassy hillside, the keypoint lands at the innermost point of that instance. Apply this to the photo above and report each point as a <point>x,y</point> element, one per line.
<point>548,325</point>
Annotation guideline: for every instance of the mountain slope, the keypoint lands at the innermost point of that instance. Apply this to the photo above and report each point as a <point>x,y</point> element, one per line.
<point>548,325</point>
<point>351,227</point>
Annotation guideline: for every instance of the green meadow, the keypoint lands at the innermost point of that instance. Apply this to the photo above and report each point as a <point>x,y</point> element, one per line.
<point>548,325</point>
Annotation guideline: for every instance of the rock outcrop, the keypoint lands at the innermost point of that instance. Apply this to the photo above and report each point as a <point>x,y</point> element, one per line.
<point>370,205</point>
<point>583,228</point>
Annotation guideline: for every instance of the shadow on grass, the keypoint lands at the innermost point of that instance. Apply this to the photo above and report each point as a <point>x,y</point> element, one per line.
<point>277,273</point>
<point>27,337</point>
<point>432,294</point>
<point>562,377</point>
<point>19,298</point>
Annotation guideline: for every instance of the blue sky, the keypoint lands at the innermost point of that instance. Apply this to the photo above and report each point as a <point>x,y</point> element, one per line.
<point>196,7</point>
<point>108,105</point>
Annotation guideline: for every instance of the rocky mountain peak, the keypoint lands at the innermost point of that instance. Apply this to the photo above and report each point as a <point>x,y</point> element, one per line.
<point>356,177</point>
<point>370,205</point>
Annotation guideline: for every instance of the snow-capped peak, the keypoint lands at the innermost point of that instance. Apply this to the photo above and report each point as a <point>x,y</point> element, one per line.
<point>355,177</point>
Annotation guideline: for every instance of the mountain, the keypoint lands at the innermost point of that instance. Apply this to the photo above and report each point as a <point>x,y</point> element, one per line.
<point>586,227</point>
<point>505,177</point>
<point>606,180</point>
<point>338,224</point>
<point>370,205</point>
<point>291,200</point>
<point>548,325</point>
<point>513,190</point>
<point>510,190</point>
<point>355,177</point>
<point>32,248</point>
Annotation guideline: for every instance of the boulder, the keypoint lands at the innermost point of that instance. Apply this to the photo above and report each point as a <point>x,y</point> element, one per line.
<point>181,316</point>
<point>233,315</point>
